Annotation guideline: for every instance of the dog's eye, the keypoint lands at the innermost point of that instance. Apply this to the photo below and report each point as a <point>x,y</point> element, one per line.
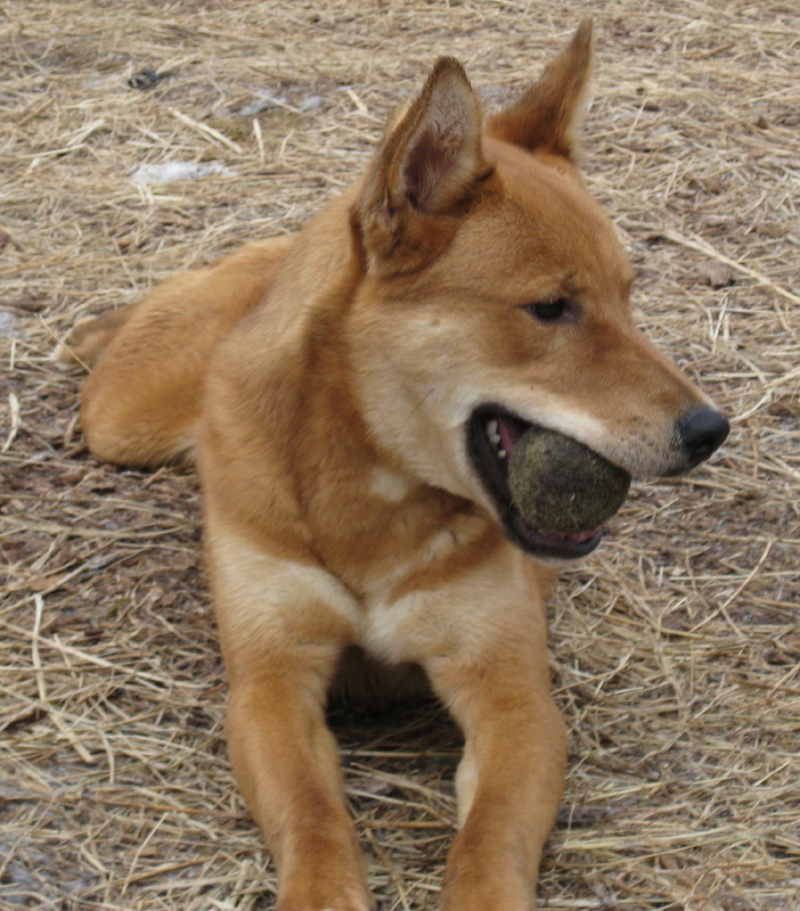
<point>551,311</point>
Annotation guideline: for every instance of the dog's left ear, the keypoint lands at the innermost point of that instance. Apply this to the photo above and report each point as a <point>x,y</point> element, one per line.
<point>548,115</point>
<point>425,173</point>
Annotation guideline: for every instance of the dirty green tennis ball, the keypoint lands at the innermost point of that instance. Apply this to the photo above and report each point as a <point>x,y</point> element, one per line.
<point>561,486</point>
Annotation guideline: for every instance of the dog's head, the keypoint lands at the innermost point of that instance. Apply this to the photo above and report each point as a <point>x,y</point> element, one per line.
<point>496,295</point>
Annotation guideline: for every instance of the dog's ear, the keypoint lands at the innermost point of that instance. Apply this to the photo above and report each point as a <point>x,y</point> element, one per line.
<point>548,115</point>
<point>425,172</point>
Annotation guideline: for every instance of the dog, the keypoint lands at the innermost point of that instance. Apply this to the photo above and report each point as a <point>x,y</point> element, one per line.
<point>351,396</point>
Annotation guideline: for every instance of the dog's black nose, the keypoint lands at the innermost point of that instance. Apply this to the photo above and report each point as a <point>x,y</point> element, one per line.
<point>702,431</point>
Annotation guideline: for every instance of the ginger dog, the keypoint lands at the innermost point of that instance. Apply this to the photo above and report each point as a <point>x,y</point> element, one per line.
<point>351,396</point>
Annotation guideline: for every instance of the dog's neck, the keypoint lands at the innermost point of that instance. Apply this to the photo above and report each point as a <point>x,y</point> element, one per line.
<point>373,522</point>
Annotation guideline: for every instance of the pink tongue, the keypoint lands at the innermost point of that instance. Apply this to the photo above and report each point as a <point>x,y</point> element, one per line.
<point>579,537</point>
<point>582,536</point>
<point>508,433</point>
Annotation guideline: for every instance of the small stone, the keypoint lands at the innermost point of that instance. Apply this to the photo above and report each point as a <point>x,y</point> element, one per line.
<point>718,275</point>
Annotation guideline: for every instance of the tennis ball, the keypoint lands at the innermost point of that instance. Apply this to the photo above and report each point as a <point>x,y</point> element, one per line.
<point>561,486</point>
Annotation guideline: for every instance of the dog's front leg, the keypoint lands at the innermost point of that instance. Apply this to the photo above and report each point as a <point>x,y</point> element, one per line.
<point>286,763</point>
<point>283,626</point>
<point>511,776</point>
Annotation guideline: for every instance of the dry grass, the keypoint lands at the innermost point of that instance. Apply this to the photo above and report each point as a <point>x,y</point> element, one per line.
<point>675,649</point>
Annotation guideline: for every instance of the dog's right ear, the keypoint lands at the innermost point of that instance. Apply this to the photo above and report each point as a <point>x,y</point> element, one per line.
<point>424,174</point>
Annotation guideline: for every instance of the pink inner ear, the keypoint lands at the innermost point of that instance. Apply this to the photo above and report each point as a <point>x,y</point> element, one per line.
<point>427,168</point>
<point>431,158</point>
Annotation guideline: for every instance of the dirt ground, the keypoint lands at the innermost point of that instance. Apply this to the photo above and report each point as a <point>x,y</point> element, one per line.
<point>675,648</point>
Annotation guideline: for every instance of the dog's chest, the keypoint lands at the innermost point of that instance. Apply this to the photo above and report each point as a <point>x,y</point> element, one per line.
<point>399,596</point>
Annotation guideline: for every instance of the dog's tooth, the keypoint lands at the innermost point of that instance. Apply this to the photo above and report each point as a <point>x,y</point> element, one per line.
<point>495,438</point>
<point>491,428</point>
<point>501,453</point>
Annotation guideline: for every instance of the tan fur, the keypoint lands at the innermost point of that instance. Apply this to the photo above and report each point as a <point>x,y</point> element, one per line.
<point>326,382</point>
<point>142,402</point>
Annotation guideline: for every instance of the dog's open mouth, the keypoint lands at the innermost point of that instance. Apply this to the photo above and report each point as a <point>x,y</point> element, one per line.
<point>492,434</point>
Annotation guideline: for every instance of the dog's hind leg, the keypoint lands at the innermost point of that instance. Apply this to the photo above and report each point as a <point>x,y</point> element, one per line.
<point>141,403</point>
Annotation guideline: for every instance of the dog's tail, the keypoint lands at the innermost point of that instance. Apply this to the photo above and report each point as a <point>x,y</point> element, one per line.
<point>90,337</point>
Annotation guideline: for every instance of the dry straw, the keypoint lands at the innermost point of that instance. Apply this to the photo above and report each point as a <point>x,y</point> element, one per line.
<point>675,650</point>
